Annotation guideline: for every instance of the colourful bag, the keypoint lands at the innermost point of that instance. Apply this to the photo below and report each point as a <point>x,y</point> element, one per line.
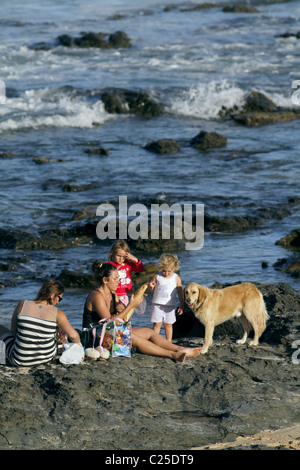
<point>116,337</point>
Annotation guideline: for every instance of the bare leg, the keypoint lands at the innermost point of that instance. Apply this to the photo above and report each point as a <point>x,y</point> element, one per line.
<point>157,327</point>
<point>149,342</point>
<point>169,331</point>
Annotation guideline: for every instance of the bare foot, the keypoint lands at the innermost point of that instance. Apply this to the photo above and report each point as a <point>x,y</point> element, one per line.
<point>192,352</point>
<point>179,356</point>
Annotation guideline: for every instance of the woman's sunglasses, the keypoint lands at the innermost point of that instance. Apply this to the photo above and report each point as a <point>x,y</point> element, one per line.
<point>59,297</point>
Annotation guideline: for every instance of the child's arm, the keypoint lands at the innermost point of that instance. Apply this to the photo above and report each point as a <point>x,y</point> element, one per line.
<point>135,263</point>
<point>180,295</point>
<point>119,304</point>
<point>152,283</point>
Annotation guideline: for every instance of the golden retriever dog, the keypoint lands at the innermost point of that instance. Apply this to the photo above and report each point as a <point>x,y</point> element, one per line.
<point>214,306</point>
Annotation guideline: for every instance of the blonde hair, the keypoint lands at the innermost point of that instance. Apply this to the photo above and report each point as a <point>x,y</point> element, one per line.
<point>118,245</point>
<point>168,261</point>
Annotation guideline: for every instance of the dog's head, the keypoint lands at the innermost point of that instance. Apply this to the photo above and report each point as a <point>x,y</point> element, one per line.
<point>194,295</point>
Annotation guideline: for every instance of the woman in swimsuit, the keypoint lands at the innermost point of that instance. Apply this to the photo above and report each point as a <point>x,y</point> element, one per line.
<point>31,339</point>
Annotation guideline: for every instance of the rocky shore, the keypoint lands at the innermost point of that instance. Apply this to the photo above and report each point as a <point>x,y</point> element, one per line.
<point>235,396</point>
<point>146,403</point>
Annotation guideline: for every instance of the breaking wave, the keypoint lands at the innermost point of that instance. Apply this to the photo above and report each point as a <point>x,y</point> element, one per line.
<point>51,108</point>
<point>206,100</point>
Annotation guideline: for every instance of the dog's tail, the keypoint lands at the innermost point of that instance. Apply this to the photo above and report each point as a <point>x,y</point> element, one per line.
<point>264,314</point>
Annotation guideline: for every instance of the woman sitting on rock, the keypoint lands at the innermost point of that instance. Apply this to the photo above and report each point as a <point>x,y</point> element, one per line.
<point>32,337</point>
<point>103,303</point>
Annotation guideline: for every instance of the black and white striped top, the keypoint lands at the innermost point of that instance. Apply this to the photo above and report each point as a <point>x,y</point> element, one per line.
<point>35,342</point>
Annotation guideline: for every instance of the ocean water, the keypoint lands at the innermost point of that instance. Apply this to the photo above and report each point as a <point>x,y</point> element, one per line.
<point>194,63</point>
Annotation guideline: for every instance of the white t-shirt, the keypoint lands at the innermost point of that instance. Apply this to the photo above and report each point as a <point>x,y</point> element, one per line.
<point>165,290</point>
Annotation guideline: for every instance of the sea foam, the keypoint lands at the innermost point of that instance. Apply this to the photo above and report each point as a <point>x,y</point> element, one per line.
<point>52,108</point>
<point>205,100</point>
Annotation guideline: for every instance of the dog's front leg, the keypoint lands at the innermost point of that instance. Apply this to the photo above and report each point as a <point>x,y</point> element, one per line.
<point>208,339</point>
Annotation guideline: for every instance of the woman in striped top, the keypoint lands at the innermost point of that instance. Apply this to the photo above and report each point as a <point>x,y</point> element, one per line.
<point>32,337</point>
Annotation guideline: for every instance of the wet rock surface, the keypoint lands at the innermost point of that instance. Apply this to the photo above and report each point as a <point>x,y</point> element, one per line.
<point>291,264</point>
<point>122,101</point>
<point>163,146</point>
<point>206,140</point>
<point>258,110</point>
<point>116,40</point>
<point>147,402</point>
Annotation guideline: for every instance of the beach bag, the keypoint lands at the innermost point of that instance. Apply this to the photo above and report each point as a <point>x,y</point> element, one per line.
<point>88,338</point>
<point>116,337</point>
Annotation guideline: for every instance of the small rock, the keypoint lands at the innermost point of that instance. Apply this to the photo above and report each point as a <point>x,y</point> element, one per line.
<point>163,146</point>
<point>258,102</point>
<point>291,240</point>
<point>240,8</point>
<point>97,151</point>
<point>206,140</point>
<point>116,40</point>
<point>121,101</point>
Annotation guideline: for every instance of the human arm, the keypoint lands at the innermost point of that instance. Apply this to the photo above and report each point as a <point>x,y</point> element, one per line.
<point>101,308</point>
<point>119,304</point>
<point>14,319</point>
<point>180,295</point>
<point>152,283</point>
<point>135,263</point>
<point>64,325</point>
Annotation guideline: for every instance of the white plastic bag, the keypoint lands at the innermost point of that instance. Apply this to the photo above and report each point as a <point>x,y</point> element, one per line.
<point>140,309</point>
<point>73,354</point>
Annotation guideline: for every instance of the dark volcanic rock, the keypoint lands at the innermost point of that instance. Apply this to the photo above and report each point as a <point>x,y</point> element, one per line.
<point>289,35</point>
<point>97,151</point>
<point>236,223</point>
<point>262,118</point>
<point>230,223</point>
<point>240,8</point>
<point>77,279</point>
<point>292,240</point>
<point>122,101</point>
<point>153,403</point>
<point>85,231</point>
<point>206,140</point>
<point>55,239</point>
<point>258,102</point>
<point>117,40</point>
<point>259,110</point>
<point>290,265</point>
<point>163,146</point>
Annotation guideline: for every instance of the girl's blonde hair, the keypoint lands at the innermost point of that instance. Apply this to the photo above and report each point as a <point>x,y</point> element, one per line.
<point>119,244</point>
<point>168,261</point>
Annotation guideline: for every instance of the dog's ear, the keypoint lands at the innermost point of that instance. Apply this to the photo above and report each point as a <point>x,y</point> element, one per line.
<point>201,294</point>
